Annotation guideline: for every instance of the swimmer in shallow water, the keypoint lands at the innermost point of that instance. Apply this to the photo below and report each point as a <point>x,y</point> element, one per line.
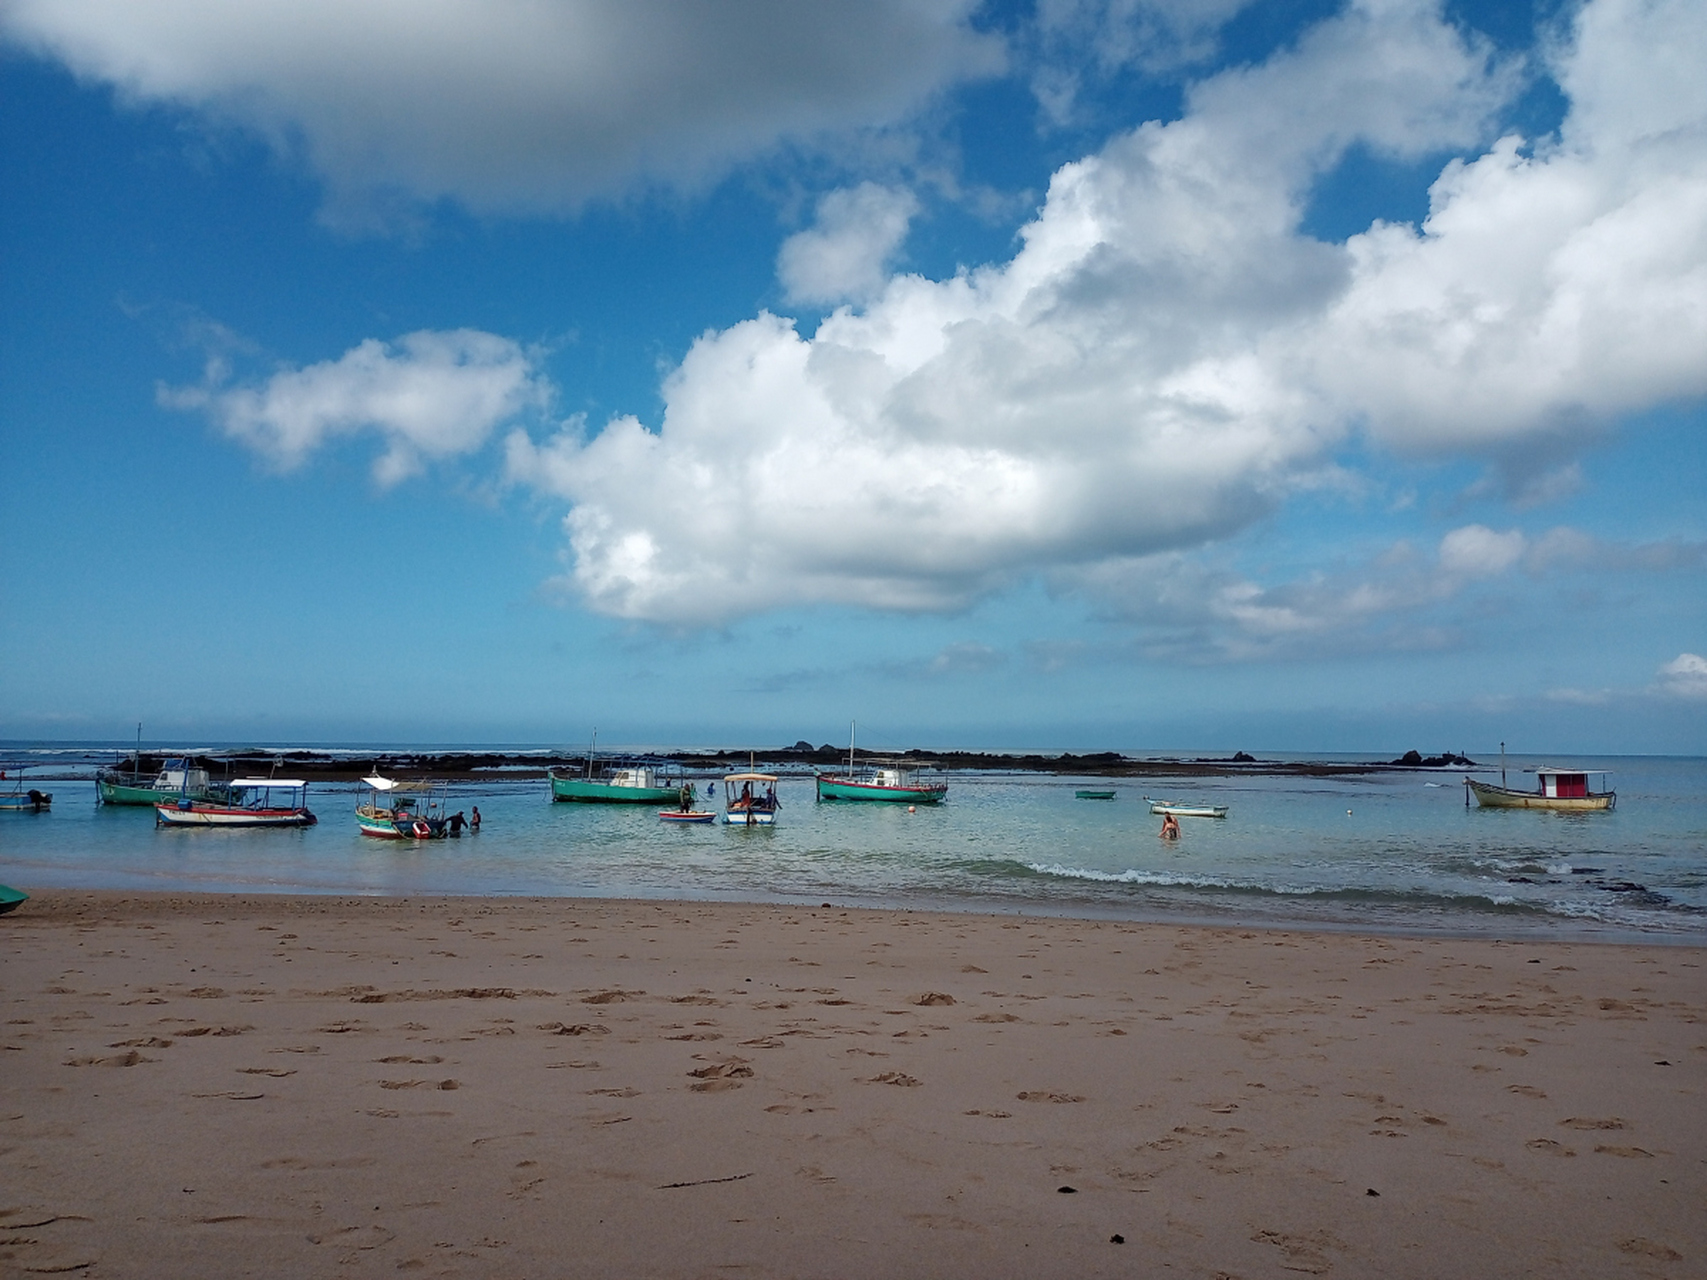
<point>1170,827</point>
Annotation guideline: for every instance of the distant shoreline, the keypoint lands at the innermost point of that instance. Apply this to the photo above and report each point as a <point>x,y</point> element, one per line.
<point>800,759</point>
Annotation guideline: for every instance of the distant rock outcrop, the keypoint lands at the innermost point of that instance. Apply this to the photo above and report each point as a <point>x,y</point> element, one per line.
<point>1415,760</point>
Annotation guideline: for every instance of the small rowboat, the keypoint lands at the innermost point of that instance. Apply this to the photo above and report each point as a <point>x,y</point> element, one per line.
<point>687,815</point>
<point>10,898</point>
<point>1188,810</point>
<point>1093,795</point>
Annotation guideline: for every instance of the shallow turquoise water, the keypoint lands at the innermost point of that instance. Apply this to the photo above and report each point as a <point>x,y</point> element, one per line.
<point>1384,851</point>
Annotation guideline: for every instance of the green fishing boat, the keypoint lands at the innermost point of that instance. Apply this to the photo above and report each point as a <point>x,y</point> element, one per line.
<point>634,784</point>
<point>177,780</point>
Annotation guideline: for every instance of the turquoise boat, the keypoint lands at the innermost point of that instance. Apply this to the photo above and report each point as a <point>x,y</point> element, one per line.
<point>1093,795</point>
<point>894,783</point>
<point>177,780</point>
<point>640,785</point>
<point>10,898</point>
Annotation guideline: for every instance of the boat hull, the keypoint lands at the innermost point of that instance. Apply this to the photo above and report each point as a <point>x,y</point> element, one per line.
<point>1191,810</point>
<point>10,898</point>
<point>1492,797</point>
<point>750,818</point>
<point>589,791</point>
<point>1093,795</point>
<point>27,802</point>
<point>833,788</point>
<point>171,815</point>
<point>125,793</point>
<point>686,817</point>
<point>382,826</point>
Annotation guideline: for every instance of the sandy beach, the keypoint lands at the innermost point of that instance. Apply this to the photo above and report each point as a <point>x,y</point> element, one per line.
<point>266,1086</point>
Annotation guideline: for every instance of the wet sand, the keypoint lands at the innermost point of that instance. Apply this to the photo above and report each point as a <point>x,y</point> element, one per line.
<point>198,1085</point>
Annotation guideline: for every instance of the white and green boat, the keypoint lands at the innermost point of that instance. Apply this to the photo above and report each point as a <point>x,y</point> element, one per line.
<point>892,781</point>
<point>177,780</point>
<point>633,784</point>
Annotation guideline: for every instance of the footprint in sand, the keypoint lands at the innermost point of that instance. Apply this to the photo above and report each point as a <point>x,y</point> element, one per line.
<point>1041,1096</point>
<point>1525,1090</point>
<point>576,1029</point>
<point>1549,1146</point>
<point>131,1059</point>
<point>900,1078</point>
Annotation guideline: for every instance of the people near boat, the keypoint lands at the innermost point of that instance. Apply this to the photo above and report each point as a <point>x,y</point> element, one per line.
<point>1170,827</point>
<point>687,796</point>
<point>474,819</point>
<point>457,822</point>
<point>746,793</point>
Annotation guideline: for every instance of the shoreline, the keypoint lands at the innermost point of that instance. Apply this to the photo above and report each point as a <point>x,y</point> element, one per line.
<point>202,1083</point>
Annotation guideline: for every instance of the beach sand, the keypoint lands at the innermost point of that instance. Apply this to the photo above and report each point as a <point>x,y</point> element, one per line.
<point>230,1086</point>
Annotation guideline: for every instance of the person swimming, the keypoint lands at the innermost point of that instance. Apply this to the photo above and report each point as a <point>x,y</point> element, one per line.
<point>1170,827</point>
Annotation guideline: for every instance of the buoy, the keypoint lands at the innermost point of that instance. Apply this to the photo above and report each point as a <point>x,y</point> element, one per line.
<point>911,809</point>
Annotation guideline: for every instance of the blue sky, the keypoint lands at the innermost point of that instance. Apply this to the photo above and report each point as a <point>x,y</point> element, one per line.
<point>1082,374</point>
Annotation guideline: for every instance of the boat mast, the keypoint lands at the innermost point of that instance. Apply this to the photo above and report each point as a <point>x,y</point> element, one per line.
<point>852,725</point>
<point>136,765</point>
<point>590,747</point>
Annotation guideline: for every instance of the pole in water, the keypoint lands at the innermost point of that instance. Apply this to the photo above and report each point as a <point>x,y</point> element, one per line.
<point>1502,764</point>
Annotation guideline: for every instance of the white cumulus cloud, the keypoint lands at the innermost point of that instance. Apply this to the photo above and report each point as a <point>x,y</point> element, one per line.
<point>1685,676</point>
<point>429,395</point>
<point>517,104</point>
<point>845,255</point>
<point>1168,355</point>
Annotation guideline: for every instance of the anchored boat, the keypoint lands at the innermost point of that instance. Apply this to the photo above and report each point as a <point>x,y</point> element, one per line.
<point>890,781</point>
<point>1565,789</point>
<point>1188,810</point>
<point>16,798</point>
<point>749,799</point>
<point>253,802</point>
<point>177,779</point>
<point>403,810</point>
<point>636,784</point>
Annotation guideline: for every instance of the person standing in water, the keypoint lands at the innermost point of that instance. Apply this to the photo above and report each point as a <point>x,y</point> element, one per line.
<point>474,822</point>
<point>1170,827</point>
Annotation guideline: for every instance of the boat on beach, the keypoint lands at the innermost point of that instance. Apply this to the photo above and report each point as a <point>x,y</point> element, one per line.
<point>889,781</point>
<point>1187,810</point>
<point>403,810</point>
<point>1084,794</point>
<point>10,898</point>
<point>15,797</point>
<point>749,799</point>
<point>1561,789</point>
<point>253,802</point>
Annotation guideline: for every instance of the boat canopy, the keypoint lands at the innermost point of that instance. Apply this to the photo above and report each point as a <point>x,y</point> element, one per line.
<point>280,783</point>
<point>381,784</point>
<point>749,777</point>
<point>1544,769</point>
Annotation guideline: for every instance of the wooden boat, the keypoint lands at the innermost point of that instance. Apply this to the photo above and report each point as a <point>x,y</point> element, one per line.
<point>637,784</point>
<point>392,813</point>
<point>10,898</point>
<point>252,803</point>
<point>893,782</point>
<point>1093,795</point>
<point>1563,789</point>
<point>749,799</point>
<point>687,816</point>
<point>1188,810</point>
<point>16,798</point>
<point>177,780</point>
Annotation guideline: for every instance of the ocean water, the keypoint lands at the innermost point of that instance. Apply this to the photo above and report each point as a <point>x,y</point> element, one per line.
<point>1391,851</point>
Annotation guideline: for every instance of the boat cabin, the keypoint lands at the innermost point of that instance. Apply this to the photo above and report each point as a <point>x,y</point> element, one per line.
<point>893,778</point>
<point>635,777</point>
<point>1559,785</point>
<point>177,775</point>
